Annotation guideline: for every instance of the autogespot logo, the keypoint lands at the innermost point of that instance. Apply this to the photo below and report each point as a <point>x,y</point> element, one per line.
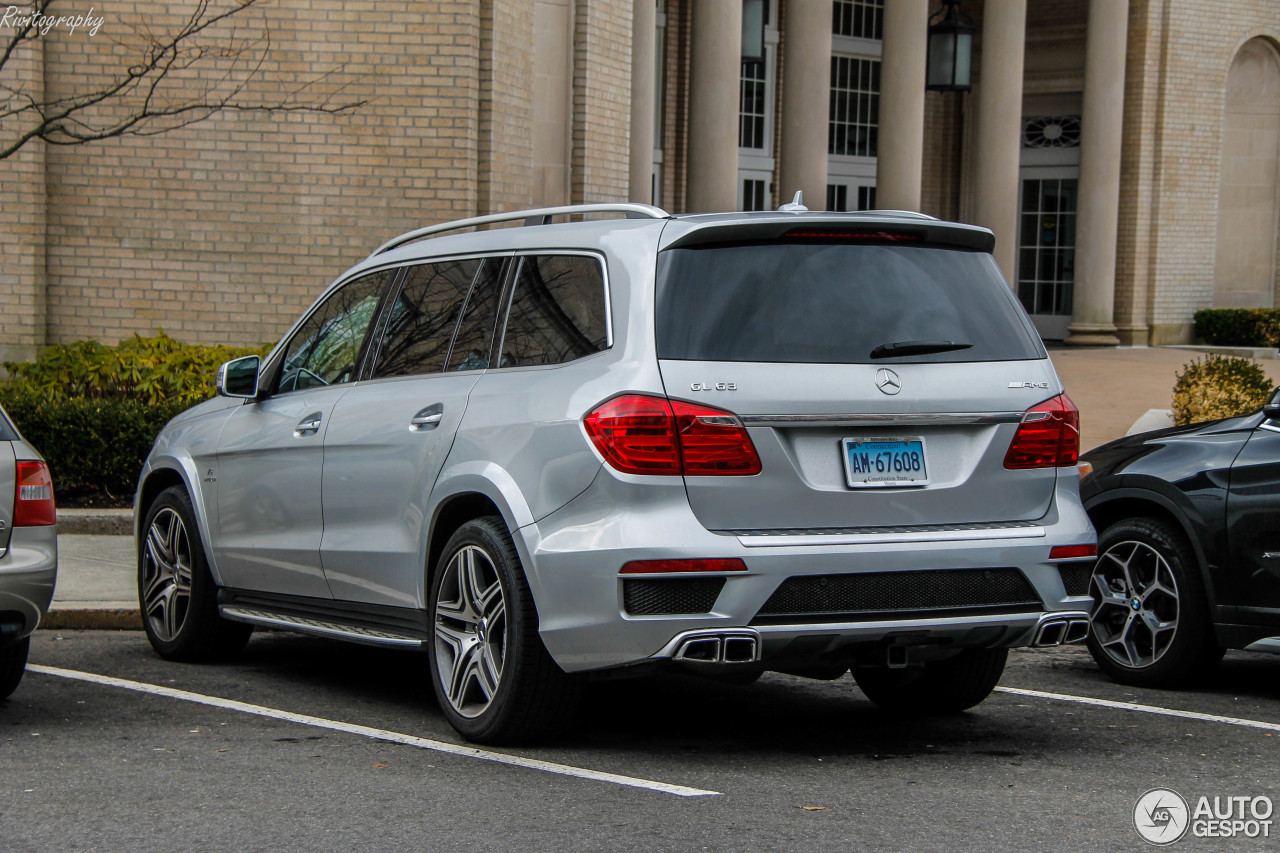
<point>1161,816</point>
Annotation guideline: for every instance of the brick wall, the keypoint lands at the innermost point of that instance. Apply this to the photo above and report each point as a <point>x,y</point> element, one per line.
<point>601,101</point>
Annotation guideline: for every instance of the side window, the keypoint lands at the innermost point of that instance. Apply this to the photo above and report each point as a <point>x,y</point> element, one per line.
<point>423,317</point>
<point>470,350</point>
<point>557,311</point>
<point>324,350</point>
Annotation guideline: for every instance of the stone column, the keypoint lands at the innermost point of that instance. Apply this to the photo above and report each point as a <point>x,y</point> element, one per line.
<point>806,99</point>
<point>714,81</point>
<point>899,163</point>
<point>1101,125</point>
<point>1004,30</point>
<point>644,29</point>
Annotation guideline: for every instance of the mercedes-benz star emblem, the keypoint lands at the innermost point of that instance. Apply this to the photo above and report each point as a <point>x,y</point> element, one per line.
<point>887,381</point>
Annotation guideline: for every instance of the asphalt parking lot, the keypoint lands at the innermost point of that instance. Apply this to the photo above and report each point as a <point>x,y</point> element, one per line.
<point>344,749</point>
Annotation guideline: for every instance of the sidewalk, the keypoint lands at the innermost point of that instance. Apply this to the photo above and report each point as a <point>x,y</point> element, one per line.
<point>97,571</point>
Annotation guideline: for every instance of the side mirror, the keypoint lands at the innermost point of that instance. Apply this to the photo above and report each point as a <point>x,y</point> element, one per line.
<point>239,378</point>
<point>1272,408</point>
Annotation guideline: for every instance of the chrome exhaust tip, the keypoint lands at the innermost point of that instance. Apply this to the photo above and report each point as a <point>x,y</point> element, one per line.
<point>1077,631</point>
<point>1051,634</point>
<point>733,646</point>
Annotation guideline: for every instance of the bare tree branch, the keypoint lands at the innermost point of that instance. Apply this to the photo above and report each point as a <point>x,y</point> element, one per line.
<point>155,93</point>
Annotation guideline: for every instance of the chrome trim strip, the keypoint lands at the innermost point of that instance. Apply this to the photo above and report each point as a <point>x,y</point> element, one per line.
<point>320,628</point>
<point>768,541</point>
<point>1271,645</point>
<point>903,419</point>
<point>1268,425</point>
<point>683,637</point>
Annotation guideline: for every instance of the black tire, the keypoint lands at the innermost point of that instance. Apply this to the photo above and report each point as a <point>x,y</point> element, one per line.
<point>176,592</point>
<point>942,687</point>
<point>1175,657</point>
<point>13,663</point>
<point>533,698</point>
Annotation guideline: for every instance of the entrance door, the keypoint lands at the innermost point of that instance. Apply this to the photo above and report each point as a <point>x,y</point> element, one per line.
<point>1047,247</point>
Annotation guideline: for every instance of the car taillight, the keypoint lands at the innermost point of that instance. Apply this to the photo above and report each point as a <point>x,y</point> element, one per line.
<point>1048,437</point>
<point>33,498</point>
<point>644,434</point>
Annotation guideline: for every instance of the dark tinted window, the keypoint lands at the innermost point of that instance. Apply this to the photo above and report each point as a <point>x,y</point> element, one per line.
<point>423,316</point>
<point>324,350</point>
<point>7,432</point>
<point>557,311</point>
<point>824,303</point>
<point>471,345</point>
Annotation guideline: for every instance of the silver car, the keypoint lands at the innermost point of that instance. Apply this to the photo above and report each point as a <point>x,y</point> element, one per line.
<point>28,550</point>
<point>791,441</point>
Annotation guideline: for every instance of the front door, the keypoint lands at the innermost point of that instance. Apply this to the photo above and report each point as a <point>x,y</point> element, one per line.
<point>270,452</point>
<point>1253,528</point>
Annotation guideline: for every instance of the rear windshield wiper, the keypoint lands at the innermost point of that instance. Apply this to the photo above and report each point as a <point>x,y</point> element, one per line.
<point>915,348</point>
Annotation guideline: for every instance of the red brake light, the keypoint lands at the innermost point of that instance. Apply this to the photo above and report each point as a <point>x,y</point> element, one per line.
<point>651,567</point>
<point>1048,437</point>
<point>643,434</point>
<point>33,498</point>
<point>841,234</point>
<point>1072,552</point>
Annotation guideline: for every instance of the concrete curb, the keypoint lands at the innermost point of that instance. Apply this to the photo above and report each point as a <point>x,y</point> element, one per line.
<point>96,522</point>
<point>1238,352</point>
<point>72,618</point>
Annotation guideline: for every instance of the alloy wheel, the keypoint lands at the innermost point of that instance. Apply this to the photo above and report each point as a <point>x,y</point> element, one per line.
<point>166,574</point>
<point>1135,604</point>
<point>470,631</point>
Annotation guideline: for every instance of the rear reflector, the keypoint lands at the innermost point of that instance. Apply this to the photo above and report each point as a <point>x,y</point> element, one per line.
<point>1071,552</point>
<point>33,499</point>
<point>655,567</point>
<point>1048,437</point>
<point>645,434</point>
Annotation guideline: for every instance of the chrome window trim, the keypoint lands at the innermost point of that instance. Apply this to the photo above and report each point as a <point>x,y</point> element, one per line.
<point>782,541</point>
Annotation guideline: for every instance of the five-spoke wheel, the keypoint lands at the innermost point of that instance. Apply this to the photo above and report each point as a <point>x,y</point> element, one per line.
<point>493,678</point>
<point>178,596</point>
<point>1150,620</point>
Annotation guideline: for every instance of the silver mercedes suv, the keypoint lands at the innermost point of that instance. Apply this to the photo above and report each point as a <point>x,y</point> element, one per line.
<point>792,441</point>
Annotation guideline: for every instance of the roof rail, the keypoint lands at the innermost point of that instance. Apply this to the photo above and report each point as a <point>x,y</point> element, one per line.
<point>912,214</point>
<point>539,216</point>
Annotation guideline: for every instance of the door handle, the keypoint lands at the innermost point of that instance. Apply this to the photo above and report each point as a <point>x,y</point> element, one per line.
<point>309,425</point>
<point>428,418</point>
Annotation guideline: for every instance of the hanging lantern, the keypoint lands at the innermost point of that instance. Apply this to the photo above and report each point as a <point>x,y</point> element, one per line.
<point>950,50</point>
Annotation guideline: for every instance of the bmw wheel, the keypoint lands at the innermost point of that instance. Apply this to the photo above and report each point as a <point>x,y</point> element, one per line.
<point>1150,620</point>
<point>493,679</point>
<point>176,592</point>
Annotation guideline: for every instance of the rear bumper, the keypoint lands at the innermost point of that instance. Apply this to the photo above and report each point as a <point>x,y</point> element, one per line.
<point>28,571</point>
<point>575,554</point>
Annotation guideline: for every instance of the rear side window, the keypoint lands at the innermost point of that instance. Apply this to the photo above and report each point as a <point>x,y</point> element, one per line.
<point>835,304</point>
<point>422,318</point>
<point>325,348</point>
<point>557,311</point>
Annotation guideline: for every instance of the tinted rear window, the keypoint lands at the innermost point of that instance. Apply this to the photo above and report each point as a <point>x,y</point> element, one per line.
<point>834,304</point>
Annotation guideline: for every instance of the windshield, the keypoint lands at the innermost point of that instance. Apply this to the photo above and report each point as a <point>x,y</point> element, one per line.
<point>837,304</point>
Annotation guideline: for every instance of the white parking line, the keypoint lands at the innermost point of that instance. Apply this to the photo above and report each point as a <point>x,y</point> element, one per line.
<point>380,734</point>
<point>1145,709</point>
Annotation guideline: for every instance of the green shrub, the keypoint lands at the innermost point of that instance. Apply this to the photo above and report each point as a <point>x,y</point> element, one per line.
<point>1218,386</point>
<point>98,445</point>
<point>1240,327</point>
<point>148,370</point>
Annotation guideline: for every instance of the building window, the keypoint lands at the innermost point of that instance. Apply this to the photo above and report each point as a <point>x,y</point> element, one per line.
<point>751,112</point>
<point>838,197</point>
<point>754,196</point>
<point>1047,245</point>
<point>1051,132</point>
<point>862,19</point>
<point>855,106</point>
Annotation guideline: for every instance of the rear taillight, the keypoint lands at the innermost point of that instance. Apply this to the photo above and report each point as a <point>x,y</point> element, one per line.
<point>33,498</point>
<point>643,434</point>
<point>1048,437</point>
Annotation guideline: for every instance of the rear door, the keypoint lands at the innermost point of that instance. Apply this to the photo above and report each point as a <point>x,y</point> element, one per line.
<point>1253,527</point>
<point>389,436</point>
<point>270,451</point>
<point>881,381</point>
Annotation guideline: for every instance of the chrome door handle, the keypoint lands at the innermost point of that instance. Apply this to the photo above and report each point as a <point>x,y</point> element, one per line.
<point>428,418</point>
<point>309,425</point>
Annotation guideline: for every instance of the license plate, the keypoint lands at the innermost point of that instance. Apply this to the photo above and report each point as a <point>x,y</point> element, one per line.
<point>872,462</point>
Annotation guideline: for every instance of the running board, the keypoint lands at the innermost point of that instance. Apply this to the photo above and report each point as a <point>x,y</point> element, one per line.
<point>318,627</point>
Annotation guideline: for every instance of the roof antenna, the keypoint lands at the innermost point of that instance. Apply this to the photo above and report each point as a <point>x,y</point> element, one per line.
<point>796,205</point>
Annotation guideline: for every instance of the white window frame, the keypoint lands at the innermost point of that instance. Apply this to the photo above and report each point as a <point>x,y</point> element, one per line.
<point>753,163</point>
